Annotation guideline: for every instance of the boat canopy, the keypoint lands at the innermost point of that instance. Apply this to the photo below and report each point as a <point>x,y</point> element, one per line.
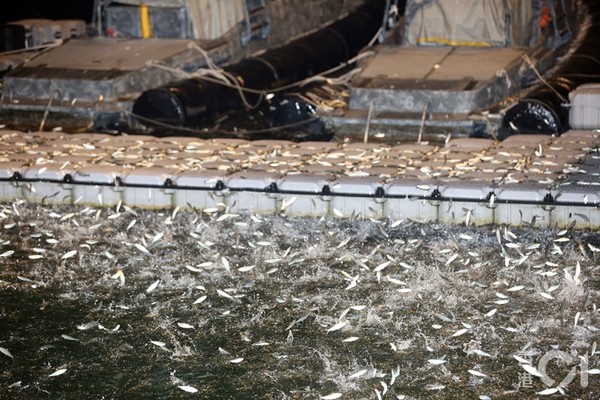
<point>208,19</point>
<point>156,3</point>
<point>473,23</point>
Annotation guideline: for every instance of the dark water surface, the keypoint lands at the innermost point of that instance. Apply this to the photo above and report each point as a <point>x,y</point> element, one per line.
<point>294,308</point>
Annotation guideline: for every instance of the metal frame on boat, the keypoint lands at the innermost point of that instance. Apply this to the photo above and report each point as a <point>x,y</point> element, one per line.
<point>468,76</point>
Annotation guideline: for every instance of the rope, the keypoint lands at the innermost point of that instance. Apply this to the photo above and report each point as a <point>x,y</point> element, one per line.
<point>222,77</point>
<point>246,134</point>
<point>526,58</point>
<point>44,47</point>
<point>219,76</point>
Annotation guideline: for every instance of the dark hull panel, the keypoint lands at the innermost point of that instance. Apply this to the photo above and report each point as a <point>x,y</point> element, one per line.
<point>96,79</point>
<point>192,102</point>
<point>544,109</point>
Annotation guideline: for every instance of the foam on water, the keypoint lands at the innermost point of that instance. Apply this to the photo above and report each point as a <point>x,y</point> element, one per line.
<point>294,308</point>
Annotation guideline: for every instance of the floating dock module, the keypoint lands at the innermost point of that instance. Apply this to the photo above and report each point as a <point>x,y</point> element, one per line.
<point>10,188</point>
<point>584,111</point>
<point>252,192</point>
<point>149,187</point>
<point>529,204</point>
<point>577,203</point>
<point>412,199</point>
<point>467,202</point>
<point>524,180</point>
<point>305,195</point>
<point>357,197</point>
<point>199,189</point>
<point>99,185</point>
<point>49,184</point>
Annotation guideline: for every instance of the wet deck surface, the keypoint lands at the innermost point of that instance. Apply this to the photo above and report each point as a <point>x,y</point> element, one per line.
<point>522,180</point>
<point>109,54</point>
<point>438,63</point>
<point>442,80</point>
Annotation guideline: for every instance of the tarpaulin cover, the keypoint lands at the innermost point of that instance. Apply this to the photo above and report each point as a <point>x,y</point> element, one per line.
<point>155,3</point>
<point>470,22</point>
<point>210,19</point>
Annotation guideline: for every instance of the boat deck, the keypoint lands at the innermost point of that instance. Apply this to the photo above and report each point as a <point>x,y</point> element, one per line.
<point>524,180</point>
<point>443,79</point>
<point>93,70</point>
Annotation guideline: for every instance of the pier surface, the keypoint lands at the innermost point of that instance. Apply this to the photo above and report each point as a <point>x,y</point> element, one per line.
<point>523,180</point>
